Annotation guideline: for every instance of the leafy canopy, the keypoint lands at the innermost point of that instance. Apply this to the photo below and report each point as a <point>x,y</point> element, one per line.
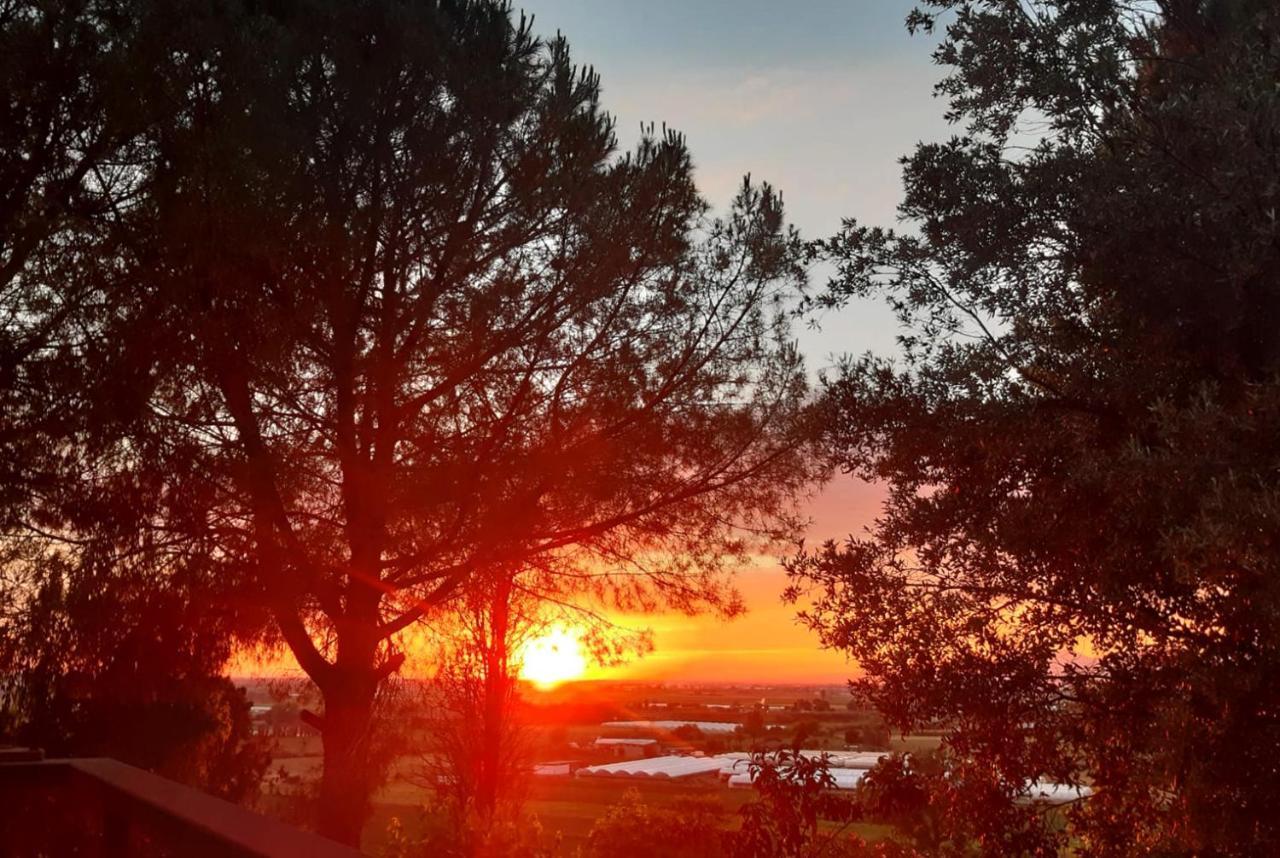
<point>1075,569</point>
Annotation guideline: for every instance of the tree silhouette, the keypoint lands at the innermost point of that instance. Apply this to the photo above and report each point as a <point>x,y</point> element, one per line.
<point>112,637</point>
<point>476,754</point>
<point>1074,569</point>
<point>409,320</point>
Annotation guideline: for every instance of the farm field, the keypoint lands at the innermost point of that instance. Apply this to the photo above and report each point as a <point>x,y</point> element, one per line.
<point>564,724</point>
<point>567,808</point>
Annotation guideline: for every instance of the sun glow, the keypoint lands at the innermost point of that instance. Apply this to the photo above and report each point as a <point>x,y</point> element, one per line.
<point>552,658</point>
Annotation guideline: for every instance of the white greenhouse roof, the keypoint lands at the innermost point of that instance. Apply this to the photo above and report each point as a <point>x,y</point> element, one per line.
<point>847,768</point>
<point>850,759</point>
<point>737,761</point>
<point>844,778</point>
<point>1043,792</point>
<point>666,768</point>
<point>638,742</point>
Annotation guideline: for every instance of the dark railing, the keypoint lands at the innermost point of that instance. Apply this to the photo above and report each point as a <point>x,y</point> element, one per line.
<point>102,808</point>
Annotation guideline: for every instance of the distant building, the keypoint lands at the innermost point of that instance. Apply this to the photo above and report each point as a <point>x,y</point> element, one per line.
<point>627,749</point>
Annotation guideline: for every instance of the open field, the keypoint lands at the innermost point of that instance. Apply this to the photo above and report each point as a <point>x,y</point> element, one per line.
<point>564,725</point>
<point>567,808</point>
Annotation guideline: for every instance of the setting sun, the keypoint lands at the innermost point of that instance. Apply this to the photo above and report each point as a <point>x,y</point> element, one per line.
<point>552,658</point>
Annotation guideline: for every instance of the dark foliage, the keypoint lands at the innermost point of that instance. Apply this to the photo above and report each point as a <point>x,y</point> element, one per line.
<point>122,663</point>
<point>686,828</point>
<point>112,637</point>
<point>337,311</point>
<point>796,793</point>
<point>1076,567</point>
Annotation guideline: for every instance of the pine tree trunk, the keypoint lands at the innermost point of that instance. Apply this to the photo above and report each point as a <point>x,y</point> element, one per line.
<point>351,769</point>
<point>497,682</point>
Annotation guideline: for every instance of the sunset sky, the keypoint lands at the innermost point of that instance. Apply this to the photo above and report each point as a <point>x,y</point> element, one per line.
<point>820,98</point>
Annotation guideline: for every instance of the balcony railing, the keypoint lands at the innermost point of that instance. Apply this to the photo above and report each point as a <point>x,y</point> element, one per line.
<point>102,808</point>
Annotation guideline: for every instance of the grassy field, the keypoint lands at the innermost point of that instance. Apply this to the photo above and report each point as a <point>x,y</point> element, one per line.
<point>567,808</point>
